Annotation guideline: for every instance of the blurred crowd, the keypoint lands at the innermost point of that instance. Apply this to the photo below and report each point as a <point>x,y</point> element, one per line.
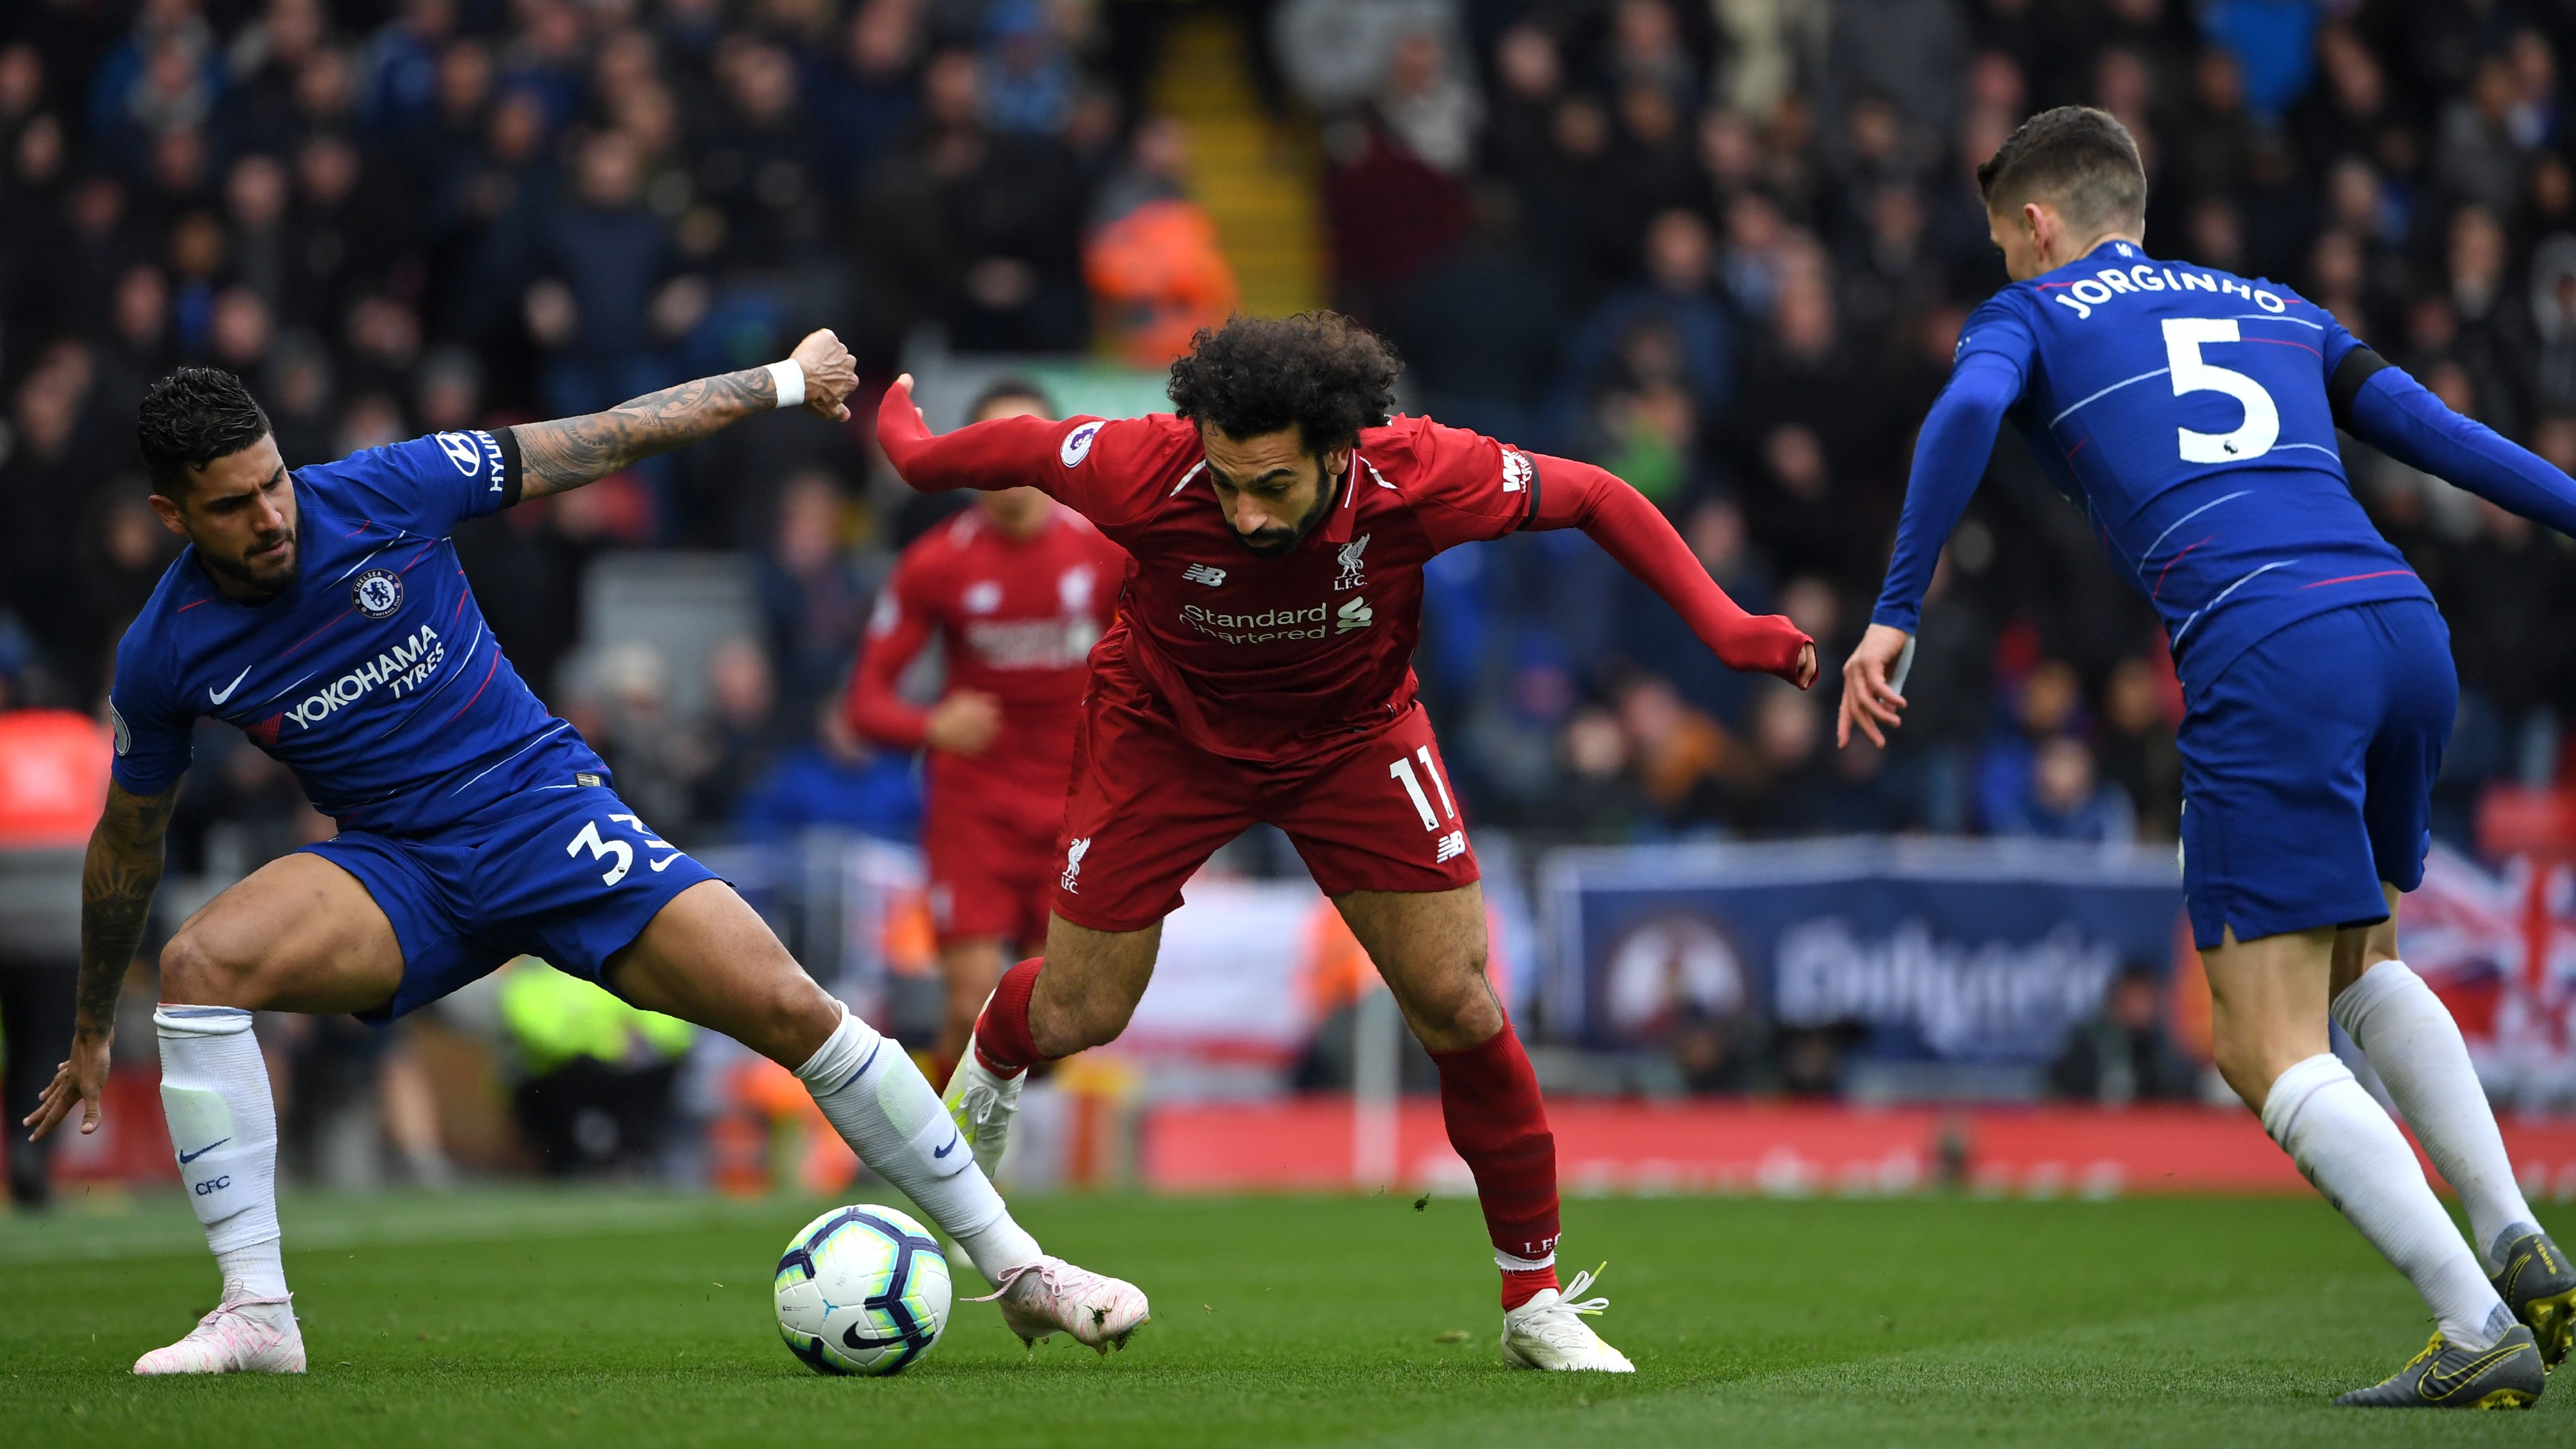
<point>1722,247</point>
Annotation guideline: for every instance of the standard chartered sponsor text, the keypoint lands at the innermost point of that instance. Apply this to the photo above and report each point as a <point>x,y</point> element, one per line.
<point>1265,627</point>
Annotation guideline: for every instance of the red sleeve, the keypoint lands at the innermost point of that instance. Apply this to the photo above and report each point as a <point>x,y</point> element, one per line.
<point>1101,469</point>
<point>1465,487</point>
<point>1636,533</point>
<point>896,634</point>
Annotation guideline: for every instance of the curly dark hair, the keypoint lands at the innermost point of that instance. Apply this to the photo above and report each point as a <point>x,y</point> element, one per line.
<point>191,418</point>
<point>1319,370</point>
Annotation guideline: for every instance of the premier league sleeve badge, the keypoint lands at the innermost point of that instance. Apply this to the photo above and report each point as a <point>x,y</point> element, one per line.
<point>377,593</point>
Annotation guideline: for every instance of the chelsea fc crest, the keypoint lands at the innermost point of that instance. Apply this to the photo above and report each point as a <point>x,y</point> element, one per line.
<point>377,593</point>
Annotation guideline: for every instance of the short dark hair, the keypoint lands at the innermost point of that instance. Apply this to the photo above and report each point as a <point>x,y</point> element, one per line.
<point>191,418</point>
<point>1010,387</point>
<point>1320,371</point>
<point>2078,158</point>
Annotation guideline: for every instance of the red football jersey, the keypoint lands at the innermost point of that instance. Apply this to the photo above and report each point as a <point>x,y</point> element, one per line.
<point>1267,659</point>
<point>1016,619</point>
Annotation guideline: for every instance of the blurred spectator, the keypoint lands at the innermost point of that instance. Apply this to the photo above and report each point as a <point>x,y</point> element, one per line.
<point>2138,750</point>
<point>2125,1054</point>
<point>595,1074</point>
<point>2067,799</point>
<point>1152,258</point>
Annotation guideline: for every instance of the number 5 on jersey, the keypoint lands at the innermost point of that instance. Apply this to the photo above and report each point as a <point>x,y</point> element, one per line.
<point>1451,845</point>
<point>2262,426</point>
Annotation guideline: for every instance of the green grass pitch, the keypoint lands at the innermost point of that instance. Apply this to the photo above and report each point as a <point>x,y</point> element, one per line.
<point>635,1320</point>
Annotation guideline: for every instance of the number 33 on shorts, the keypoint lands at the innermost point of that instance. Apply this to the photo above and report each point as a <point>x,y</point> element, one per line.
<point>605,847</point>
<point>1451,845</point>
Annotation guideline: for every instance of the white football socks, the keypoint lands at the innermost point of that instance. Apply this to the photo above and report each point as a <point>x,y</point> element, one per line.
<point>223,1126</point>
<point>2358,1159</point>
<point>2416,1048</point>
<point>883,1107</point>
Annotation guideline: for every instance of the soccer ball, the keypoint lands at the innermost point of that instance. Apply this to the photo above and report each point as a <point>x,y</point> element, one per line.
<point>862,1290</point>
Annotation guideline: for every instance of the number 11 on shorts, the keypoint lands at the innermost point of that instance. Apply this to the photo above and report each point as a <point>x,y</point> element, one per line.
<point>1451,845</point>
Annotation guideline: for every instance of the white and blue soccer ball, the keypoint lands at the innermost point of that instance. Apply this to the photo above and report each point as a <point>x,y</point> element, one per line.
<point>862,1290</point>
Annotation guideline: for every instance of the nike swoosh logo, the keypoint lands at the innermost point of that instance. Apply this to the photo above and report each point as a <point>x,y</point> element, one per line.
<point>187,1157</point>
<point>663,863</point>
<point>953,1140</point>
<point>225,693</point>
<point>2441,1386</point>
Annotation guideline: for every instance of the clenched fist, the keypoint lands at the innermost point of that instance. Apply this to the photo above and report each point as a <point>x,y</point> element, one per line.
<point>830,374</point>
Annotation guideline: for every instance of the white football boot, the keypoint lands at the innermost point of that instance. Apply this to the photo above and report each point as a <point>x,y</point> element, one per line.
<point>982,1102</point>
<point>241,1336</point>
<point>1548,1332</point>
<point>1054,1296</point>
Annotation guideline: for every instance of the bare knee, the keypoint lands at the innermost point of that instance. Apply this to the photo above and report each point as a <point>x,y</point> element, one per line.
<point>791,1019</point>
<point>1078,1024</point>
<point>1451,1006</point>
<point>195,971</point>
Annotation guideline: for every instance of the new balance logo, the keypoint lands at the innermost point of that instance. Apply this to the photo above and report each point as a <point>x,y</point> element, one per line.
<point>1073,854</point>
<point>1202,574</point>
<point>1451,846</point>
<point>1354,615</point>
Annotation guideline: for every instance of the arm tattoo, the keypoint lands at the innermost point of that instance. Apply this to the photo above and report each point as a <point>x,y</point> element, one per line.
<point>568,452</point>
<point>118,878</point>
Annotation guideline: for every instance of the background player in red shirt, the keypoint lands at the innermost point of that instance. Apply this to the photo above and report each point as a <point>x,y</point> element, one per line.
<point>1016,590</point>
<point>1260,671</point>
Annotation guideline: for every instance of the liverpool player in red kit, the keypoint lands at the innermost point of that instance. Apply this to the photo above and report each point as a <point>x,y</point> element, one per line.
<point>1016,591</point>
<point>1259,671</point>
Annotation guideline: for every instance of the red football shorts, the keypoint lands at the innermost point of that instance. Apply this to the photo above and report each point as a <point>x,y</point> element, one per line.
<point>1147,809</point>
<point>992,865</point>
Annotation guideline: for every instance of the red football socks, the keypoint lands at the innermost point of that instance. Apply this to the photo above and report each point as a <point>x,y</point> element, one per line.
<point>1003,1041</point>
<point>1489,1099</point>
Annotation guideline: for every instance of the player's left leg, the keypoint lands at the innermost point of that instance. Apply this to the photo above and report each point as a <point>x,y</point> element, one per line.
<point>1381,831</point>
<point>2416,1048</point>
<point>2268,1029</point>
<point>707,957</point>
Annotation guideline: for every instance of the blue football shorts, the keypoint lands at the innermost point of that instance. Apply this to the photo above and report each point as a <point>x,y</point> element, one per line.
<point>2307,772</point>
<point>567,874</point>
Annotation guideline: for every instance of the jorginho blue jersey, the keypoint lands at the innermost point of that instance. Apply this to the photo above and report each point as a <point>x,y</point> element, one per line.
<point>2186,410</point>
<point>373,677</point>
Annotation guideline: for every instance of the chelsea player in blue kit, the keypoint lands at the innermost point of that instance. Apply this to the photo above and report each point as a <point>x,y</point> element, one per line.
<point>324,613</point>
<point>2192,414</point>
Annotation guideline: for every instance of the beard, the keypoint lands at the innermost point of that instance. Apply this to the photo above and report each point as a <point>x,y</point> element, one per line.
<point>1278,539</point>
<point>265,576</point>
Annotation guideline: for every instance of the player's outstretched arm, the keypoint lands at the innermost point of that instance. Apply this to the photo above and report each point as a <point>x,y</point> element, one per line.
<point>2384,407</point>
<point>1636,533</point>
<point>1950,455</point>
<point>999,453</point>
<point>568,452</point>
<point>118,879</point>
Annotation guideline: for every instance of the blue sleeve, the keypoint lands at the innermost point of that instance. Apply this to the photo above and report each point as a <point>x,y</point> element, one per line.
<point>427,485</point>
<point>1949,457</point>
<point>153,733</point>
<point>2395,414</point>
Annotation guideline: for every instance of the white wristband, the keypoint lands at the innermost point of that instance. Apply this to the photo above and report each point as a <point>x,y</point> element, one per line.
<point>790,378</point>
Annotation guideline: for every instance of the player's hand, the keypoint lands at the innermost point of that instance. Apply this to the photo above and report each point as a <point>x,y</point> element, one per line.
<point>903,387</point>
<point>1807,666</point>
<point>965,723</point>
<point>1870,700</point>
<point>77,1082</point>
<point>831,374</point>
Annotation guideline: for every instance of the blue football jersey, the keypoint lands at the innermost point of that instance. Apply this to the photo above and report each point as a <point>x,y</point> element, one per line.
<point>2186,410</point>
<point>373,677</point>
